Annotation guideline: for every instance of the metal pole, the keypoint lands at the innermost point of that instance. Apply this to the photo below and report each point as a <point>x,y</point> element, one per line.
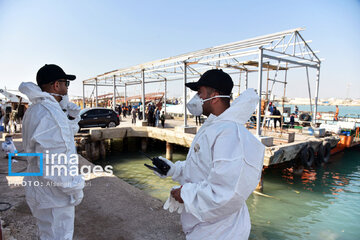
<point>143,93</point>
<point>258,126</point>
<point>185,112</point>
<point>246,80</point>
<point>239,82</point>
<point>125,96</point>
<point>84,105</point>
<point>267,85</point>
<point>308,82</point>
<point>96,92</point>
<point>283,101</point>
<point>317,91</point>
<point>165,96</point>
<point>114,95</point>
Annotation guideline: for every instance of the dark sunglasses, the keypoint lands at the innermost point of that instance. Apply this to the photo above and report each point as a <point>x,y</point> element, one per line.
<point>67,82</point>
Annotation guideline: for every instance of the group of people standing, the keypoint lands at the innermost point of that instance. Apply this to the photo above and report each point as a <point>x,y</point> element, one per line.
<point>273,111</point>
<point>153,115</point>
<point>125,110</point>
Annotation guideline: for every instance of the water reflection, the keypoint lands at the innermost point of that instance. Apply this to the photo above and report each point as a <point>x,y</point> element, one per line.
<point>319,204</point>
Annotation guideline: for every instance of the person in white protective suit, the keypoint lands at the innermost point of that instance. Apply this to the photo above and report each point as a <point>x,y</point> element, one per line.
<point>49,126</point>
<point>223,166</point>
<point>8,145</point>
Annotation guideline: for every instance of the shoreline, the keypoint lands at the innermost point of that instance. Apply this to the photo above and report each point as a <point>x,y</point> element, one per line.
<point>111,209</point>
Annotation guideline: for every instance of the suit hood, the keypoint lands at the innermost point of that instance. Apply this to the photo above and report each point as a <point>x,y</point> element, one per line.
<point>242,107</point>
<point>34,93</point>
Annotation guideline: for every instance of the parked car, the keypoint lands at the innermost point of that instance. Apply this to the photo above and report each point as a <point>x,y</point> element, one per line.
<point>98,117</point>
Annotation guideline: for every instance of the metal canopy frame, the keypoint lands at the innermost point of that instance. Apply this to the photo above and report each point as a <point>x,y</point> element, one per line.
<point>274,52</point>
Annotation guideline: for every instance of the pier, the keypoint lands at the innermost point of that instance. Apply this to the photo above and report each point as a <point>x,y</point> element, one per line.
<point>281,146</point>
<point>269,57</point>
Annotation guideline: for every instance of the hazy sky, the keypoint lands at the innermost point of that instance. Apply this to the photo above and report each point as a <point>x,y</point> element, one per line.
<point>87,38</point>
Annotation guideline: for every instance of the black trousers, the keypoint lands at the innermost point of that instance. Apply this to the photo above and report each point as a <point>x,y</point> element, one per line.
<point>197,118</point>
<point>275,120</point>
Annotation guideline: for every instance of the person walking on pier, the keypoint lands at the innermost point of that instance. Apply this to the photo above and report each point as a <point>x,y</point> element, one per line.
<point>49,126</point>
<point>224,163</point>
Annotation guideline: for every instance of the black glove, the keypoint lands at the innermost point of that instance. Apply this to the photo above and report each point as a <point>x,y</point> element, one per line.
<point>160,166</point>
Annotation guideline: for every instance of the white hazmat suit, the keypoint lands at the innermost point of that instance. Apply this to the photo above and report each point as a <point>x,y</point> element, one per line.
<point>222,168</point>
<point>47,129</point>
<point>8,146</point>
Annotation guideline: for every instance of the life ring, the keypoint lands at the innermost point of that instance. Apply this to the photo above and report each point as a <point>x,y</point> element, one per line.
<point>307,157</point>
<point>305,117</point>
<point>318,116</point>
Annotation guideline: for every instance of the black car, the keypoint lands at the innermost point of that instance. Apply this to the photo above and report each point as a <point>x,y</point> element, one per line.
<point>98,117</point>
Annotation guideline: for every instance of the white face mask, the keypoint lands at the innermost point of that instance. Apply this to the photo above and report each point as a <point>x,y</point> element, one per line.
<point>64,100</point>
<point>195,104</point>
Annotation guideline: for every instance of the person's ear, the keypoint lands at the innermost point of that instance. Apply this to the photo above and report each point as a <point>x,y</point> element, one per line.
<point>56,85</point>
<point>215,100</point>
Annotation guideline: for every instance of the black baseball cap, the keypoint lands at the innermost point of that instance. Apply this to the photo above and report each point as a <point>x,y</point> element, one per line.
<point>50,73</point>
<point>214,78</point>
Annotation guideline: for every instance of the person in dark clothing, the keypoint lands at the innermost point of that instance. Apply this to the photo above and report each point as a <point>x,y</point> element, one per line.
<point>198,119</point>
<point>162,119</point>
<point>141,109</point>
<point>292,120</point>
<point>133,114</point>
<point>124,111</point>
<point>119,110</point>
<point>157,117</point>
<point>151,121</point>
<point>277,113</point>
<point>271,108</point>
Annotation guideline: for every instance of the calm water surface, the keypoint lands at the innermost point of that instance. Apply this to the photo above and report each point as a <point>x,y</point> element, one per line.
<point>321,204</point>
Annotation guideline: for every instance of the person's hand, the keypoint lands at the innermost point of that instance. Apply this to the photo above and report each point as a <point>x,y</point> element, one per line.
<point>73,109</point>
<point>176,194</point>
<point>75,199</point>
<point>173,205</point>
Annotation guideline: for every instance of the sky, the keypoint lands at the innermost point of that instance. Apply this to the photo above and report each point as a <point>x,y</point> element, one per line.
<point>89,37</point>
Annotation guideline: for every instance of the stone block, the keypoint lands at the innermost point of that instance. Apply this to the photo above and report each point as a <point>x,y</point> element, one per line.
<point>267,141</point>
<point>319,132</point>
<point>141,123</point>
<point>182,129</point>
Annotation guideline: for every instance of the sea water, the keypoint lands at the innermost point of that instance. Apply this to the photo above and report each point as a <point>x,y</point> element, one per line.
<point>343,110</point>
<point>322,203</point>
